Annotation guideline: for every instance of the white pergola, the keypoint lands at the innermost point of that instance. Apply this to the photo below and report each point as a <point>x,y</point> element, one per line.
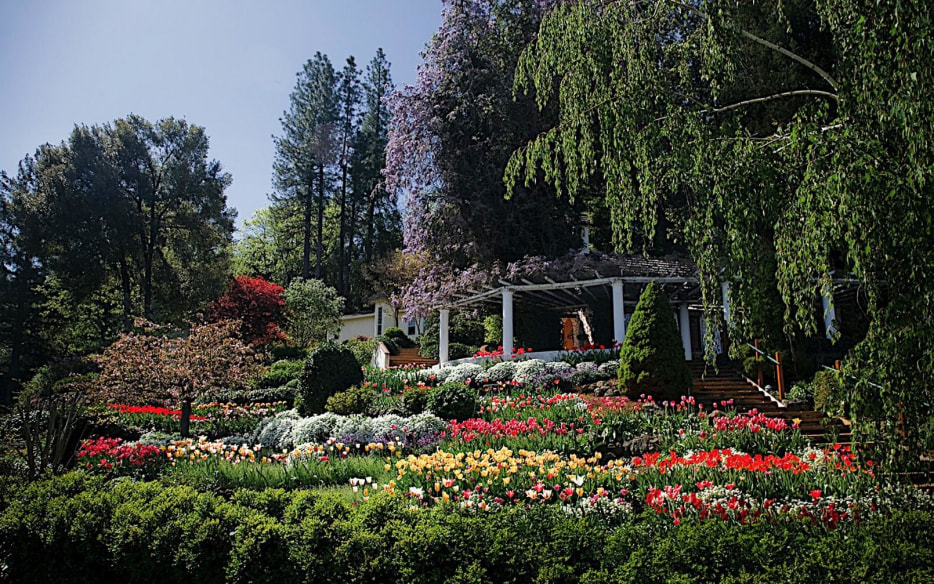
<point>593,279</point>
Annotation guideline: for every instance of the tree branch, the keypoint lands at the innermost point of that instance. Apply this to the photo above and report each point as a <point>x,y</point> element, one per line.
<point>768,44</point>
<point>772,97</point>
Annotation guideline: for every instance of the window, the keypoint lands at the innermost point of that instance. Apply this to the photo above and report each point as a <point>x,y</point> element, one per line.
<point>379,321</point>
<point>411,331</point>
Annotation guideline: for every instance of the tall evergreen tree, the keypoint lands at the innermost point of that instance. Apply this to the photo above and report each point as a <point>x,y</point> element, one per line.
<point>347,123</point>
<point>306,150</point>
<point>377,86</point>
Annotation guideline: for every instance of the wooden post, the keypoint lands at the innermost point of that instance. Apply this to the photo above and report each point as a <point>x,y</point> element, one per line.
<point>780,376</point>
<point>758,364</point>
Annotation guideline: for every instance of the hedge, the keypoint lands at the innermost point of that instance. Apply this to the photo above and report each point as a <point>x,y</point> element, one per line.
<point>80,529</point>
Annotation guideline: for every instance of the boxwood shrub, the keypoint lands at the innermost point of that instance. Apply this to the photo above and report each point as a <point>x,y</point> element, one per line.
<point>330,368</point>
<point>77,529</point>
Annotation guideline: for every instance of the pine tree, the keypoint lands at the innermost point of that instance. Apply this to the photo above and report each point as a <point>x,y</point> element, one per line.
<point>347,127</point>
<point>306,150</point>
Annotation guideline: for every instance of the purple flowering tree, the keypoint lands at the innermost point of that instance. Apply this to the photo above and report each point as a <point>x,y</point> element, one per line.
<point>449,141</point>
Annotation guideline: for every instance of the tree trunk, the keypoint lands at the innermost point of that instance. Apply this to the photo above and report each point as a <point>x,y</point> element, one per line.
<point>319,251</point>
<point>350,242</point>
<point>341,234</point>
<point>306,229</point>
<point>148,257</point>
<point>185,419</point>
<point>125,287</point>
<point>368,237</point>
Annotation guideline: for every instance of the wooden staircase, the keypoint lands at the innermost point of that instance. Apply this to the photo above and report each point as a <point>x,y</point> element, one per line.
<point>712,387</point>
<point>410,357</point>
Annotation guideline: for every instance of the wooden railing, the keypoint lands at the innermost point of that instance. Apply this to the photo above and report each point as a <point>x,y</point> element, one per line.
<point>779,369</point>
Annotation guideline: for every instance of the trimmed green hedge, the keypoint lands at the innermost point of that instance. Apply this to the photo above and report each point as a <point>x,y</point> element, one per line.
<point>80,529</point>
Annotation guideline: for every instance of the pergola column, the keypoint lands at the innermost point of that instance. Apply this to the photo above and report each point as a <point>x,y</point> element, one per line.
<point>444,315</point>
<point>619,312</point>
<point>685,324</point>
<point>830,316</point>
<point>507,324</point>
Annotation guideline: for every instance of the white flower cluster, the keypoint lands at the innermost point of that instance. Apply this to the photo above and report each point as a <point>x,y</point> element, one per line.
<point>286,430</point>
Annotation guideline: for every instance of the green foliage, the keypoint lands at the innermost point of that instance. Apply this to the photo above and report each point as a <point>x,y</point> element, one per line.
<point>329,369</point>
<point>493,330</point>
<point>453,401</point>
<point>313,311</point>
<point>287,393</point>
<point>356,400</point>
<point>389,343</point>
<point>774,117</point>
<point>465,332</point>
<point>401,339</point>
<point>279,374</point>
<point>828,393</point>
<point>651,360</point>
<point>415,399</point>
<point>362,349</point>
<point>153,533</point>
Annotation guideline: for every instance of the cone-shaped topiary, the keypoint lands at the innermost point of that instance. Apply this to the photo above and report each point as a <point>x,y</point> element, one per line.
<point>652,357</point>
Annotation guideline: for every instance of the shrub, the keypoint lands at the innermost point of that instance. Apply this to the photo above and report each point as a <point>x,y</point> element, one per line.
<point>465,335</point>
<point>352,429</point>
<point>286,393</point>
<point>652,358</point>
<point>396,334</point>
<point>362,349</point>
<point>493,329</point>
<point>279,374</point>
<point>586,372</point>
<point>461,350</point>
<point>314,430</point>
<point>610,368</point>
<point>355,400</point>
<point>501,372</point>
<point>452,401</point>
<point>415,399</point>
<point>828,393</point>
<point>391,344</point>
<point>425,427</point>
<point>461,373</point>
<point>801,391</point>
<point>389,427</point>
<point>279,352</point>
<point>528,370</point>
<point>329,369</point>
<point>275,433</point>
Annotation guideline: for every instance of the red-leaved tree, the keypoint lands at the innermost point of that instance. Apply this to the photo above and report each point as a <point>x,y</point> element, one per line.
<point>256,304</point>
<point>155,367</point>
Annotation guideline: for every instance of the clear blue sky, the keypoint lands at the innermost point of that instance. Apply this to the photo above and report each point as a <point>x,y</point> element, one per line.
<point>227,65</point>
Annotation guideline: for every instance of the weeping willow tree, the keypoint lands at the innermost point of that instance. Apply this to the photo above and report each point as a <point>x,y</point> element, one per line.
<point>783,143</point>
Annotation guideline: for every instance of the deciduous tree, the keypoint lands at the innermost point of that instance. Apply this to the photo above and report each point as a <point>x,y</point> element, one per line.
<point>157,366</point>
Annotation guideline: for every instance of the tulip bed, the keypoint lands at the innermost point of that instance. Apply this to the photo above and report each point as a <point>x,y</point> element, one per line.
<point>529,456</point>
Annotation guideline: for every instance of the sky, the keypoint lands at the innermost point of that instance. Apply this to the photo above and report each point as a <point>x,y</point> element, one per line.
<point>226,65</point>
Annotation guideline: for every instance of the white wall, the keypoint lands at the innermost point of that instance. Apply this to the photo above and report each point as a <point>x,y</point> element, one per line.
<point>355,326</point>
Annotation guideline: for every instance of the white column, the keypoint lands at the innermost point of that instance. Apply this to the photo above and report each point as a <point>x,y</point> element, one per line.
<point>830,316</point>
<point>725,289</point>
<point>443,340</point>
<point>507,324</point>
<point>685,323</point>
<point>619,312</point>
